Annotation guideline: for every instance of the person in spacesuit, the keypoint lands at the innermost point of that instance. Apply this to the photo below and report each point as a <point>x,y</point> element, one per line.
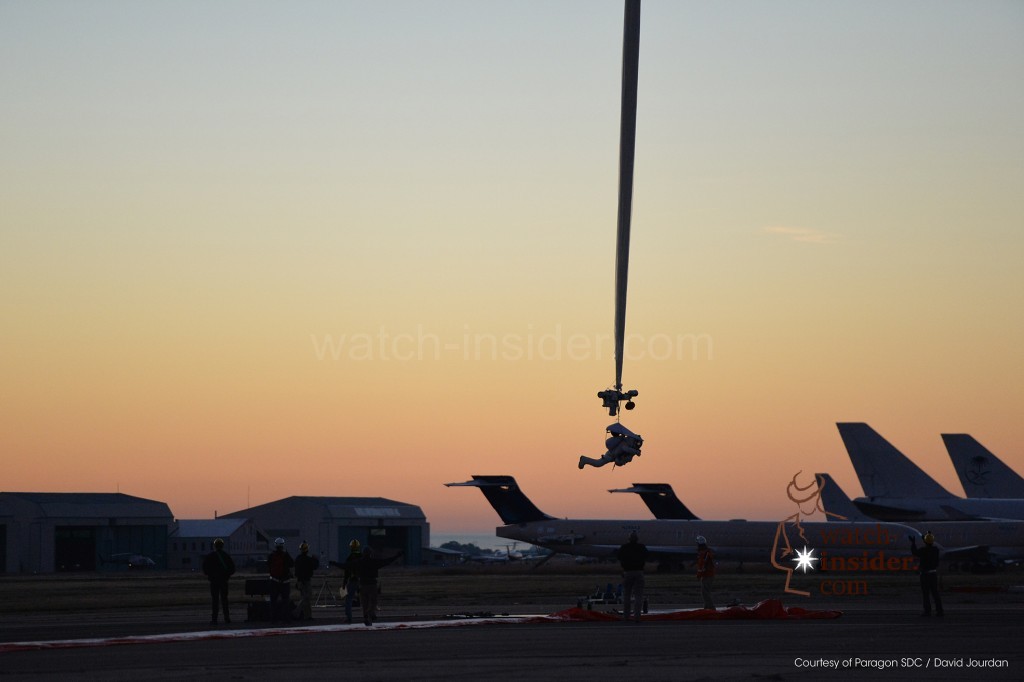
<point>622,444</point>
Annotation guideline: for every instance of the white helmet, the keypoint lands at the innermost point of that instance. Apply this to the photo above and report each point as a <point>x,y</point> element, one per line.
<point>279,542</point>
<point>701,540</point>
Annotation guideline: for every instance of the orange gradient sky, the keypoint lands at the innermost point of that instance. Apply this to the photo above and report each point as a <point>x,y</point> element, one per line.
<point>253,250</point>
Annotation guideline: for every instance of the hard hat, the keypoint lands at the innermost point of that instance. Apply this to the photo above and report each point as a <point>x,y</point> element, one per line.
<point>304,547</point>
<point>279,542</point>
<point>701,540</point>
<point>929,538</point>
<point>218,543</point>
<point>354,544</point>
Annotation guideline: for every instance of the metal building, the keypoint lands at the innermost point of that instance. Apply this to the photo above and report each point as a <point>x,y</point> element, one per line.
<point>328,524</point>
<point>192,539</point>
<point>46,532</point>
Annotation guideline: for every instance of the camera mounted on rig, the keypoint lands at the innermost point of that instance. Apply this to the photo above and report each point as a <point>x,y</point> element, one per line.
<point>612,397</point>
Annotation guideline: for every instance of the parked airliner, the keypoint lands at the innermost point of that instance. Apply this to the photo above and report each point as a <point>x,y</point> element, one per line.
<point>992,541</point>
<point>896,489</point>
<point>676,538</point>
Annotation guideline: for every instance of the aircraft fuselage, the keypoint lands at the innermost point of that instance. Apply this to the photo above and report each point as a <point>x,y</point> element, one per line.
<point>939,508</point>
<point>735,540</point>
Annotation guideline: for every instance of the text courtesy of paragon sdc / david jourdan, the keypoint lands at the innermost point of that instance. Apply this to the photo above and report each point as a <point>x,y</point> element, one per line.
<point>934,662</point>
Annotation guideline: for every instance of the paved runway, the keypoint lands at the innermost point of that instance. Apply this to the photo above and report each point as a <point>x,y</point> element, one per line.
<point>874,643</point>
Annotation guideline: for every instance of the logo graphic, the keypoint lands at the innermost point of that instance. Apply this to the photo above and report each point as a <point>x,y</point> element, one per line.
<point>781,547</point>
<point>978,473</point>
<point>805,559</point>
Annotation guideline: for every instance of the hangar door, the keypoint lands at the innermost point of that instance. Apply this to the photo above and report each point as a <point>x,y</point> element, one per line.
<point>74,548</point>
<point>392,539</point>
<point>385,539</point>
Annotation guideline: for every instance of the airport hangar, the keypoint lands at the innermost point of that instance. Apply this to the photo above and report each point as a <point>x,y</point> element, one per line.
<point>47,532</point>
<point>329,524</point>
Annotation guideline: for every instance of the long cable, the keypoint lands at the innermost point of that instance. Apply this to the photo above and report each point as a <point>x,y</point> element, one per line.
<point>627,149</point>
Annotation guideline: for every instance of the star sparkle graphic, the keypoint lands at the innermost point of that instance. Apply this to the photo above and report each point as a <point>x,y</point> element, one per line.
<point>804,558</point>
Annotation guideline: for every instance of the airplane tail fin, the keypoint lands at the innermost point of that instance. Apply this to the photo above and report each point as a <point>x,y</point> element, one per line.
<point>883,470</point>
<point>661,500</point>
<point>835,501</point>
<point>507,499</point>
<point>981,473</point>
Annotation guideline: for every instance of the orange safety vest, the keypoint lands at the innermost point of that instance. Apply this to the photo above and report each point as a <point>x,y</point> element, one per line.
<point>705,564</point>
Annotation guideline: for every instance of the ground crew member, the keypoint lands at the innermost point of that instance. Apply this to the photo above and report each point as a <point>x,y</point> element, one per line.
<point>632,557</point>
<point>351,579</point>
<point>705,571</point>
<point>218,567</point>
<point>304,567</point>
<point>928,565</point>
<point>366,569</point>
<point>279,566</point>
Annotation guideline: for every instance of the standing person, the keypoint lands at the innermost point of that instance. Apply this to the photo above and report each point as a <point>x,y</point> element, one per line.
<point>304,567</point>
<point>705,571</point>
<point>632,557</point>
<point>279,566</point>
<point>928,565</point>
<point>366,568</point>
<point>351,580</point>
<point>218,567</point>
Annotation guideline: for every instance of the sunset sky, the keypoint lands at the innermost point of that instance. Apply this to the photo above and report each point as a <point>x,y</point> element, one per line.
<point>252,250</point>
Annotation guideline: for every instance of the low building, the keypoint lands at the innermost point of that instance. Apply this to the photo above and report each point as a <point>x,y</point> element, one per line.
<point>192,539</point>
<point>46,532</point>
<point>328,524</point>
<point>441,557</point>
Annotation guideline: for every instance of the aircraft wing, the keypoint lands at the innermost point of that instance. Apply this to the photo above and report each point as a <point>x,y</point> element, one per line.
<point>887,512</point>
<point>957,515</point>
<point>984,554</point>
<point>673,551</point>
<point>656,551</point>
<point>971,552</point>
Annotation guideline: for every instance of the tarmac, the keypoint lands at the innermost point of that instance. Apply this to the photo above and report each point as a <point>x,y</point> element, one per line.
<point>868,642</point>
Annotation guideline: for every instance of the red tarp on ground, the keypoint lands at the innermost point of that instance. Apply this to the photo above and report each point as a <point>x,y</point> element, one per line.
<point>769,609</point>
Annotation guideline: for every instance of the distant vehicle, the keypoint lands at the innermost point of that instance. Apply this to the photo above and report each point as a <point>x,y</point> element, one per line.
<point>994,541</point>
<point>896,489</point>
<point>982,474</point>
<point>136,562</point>
<point>511,554</point>
<point>672,539</point>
